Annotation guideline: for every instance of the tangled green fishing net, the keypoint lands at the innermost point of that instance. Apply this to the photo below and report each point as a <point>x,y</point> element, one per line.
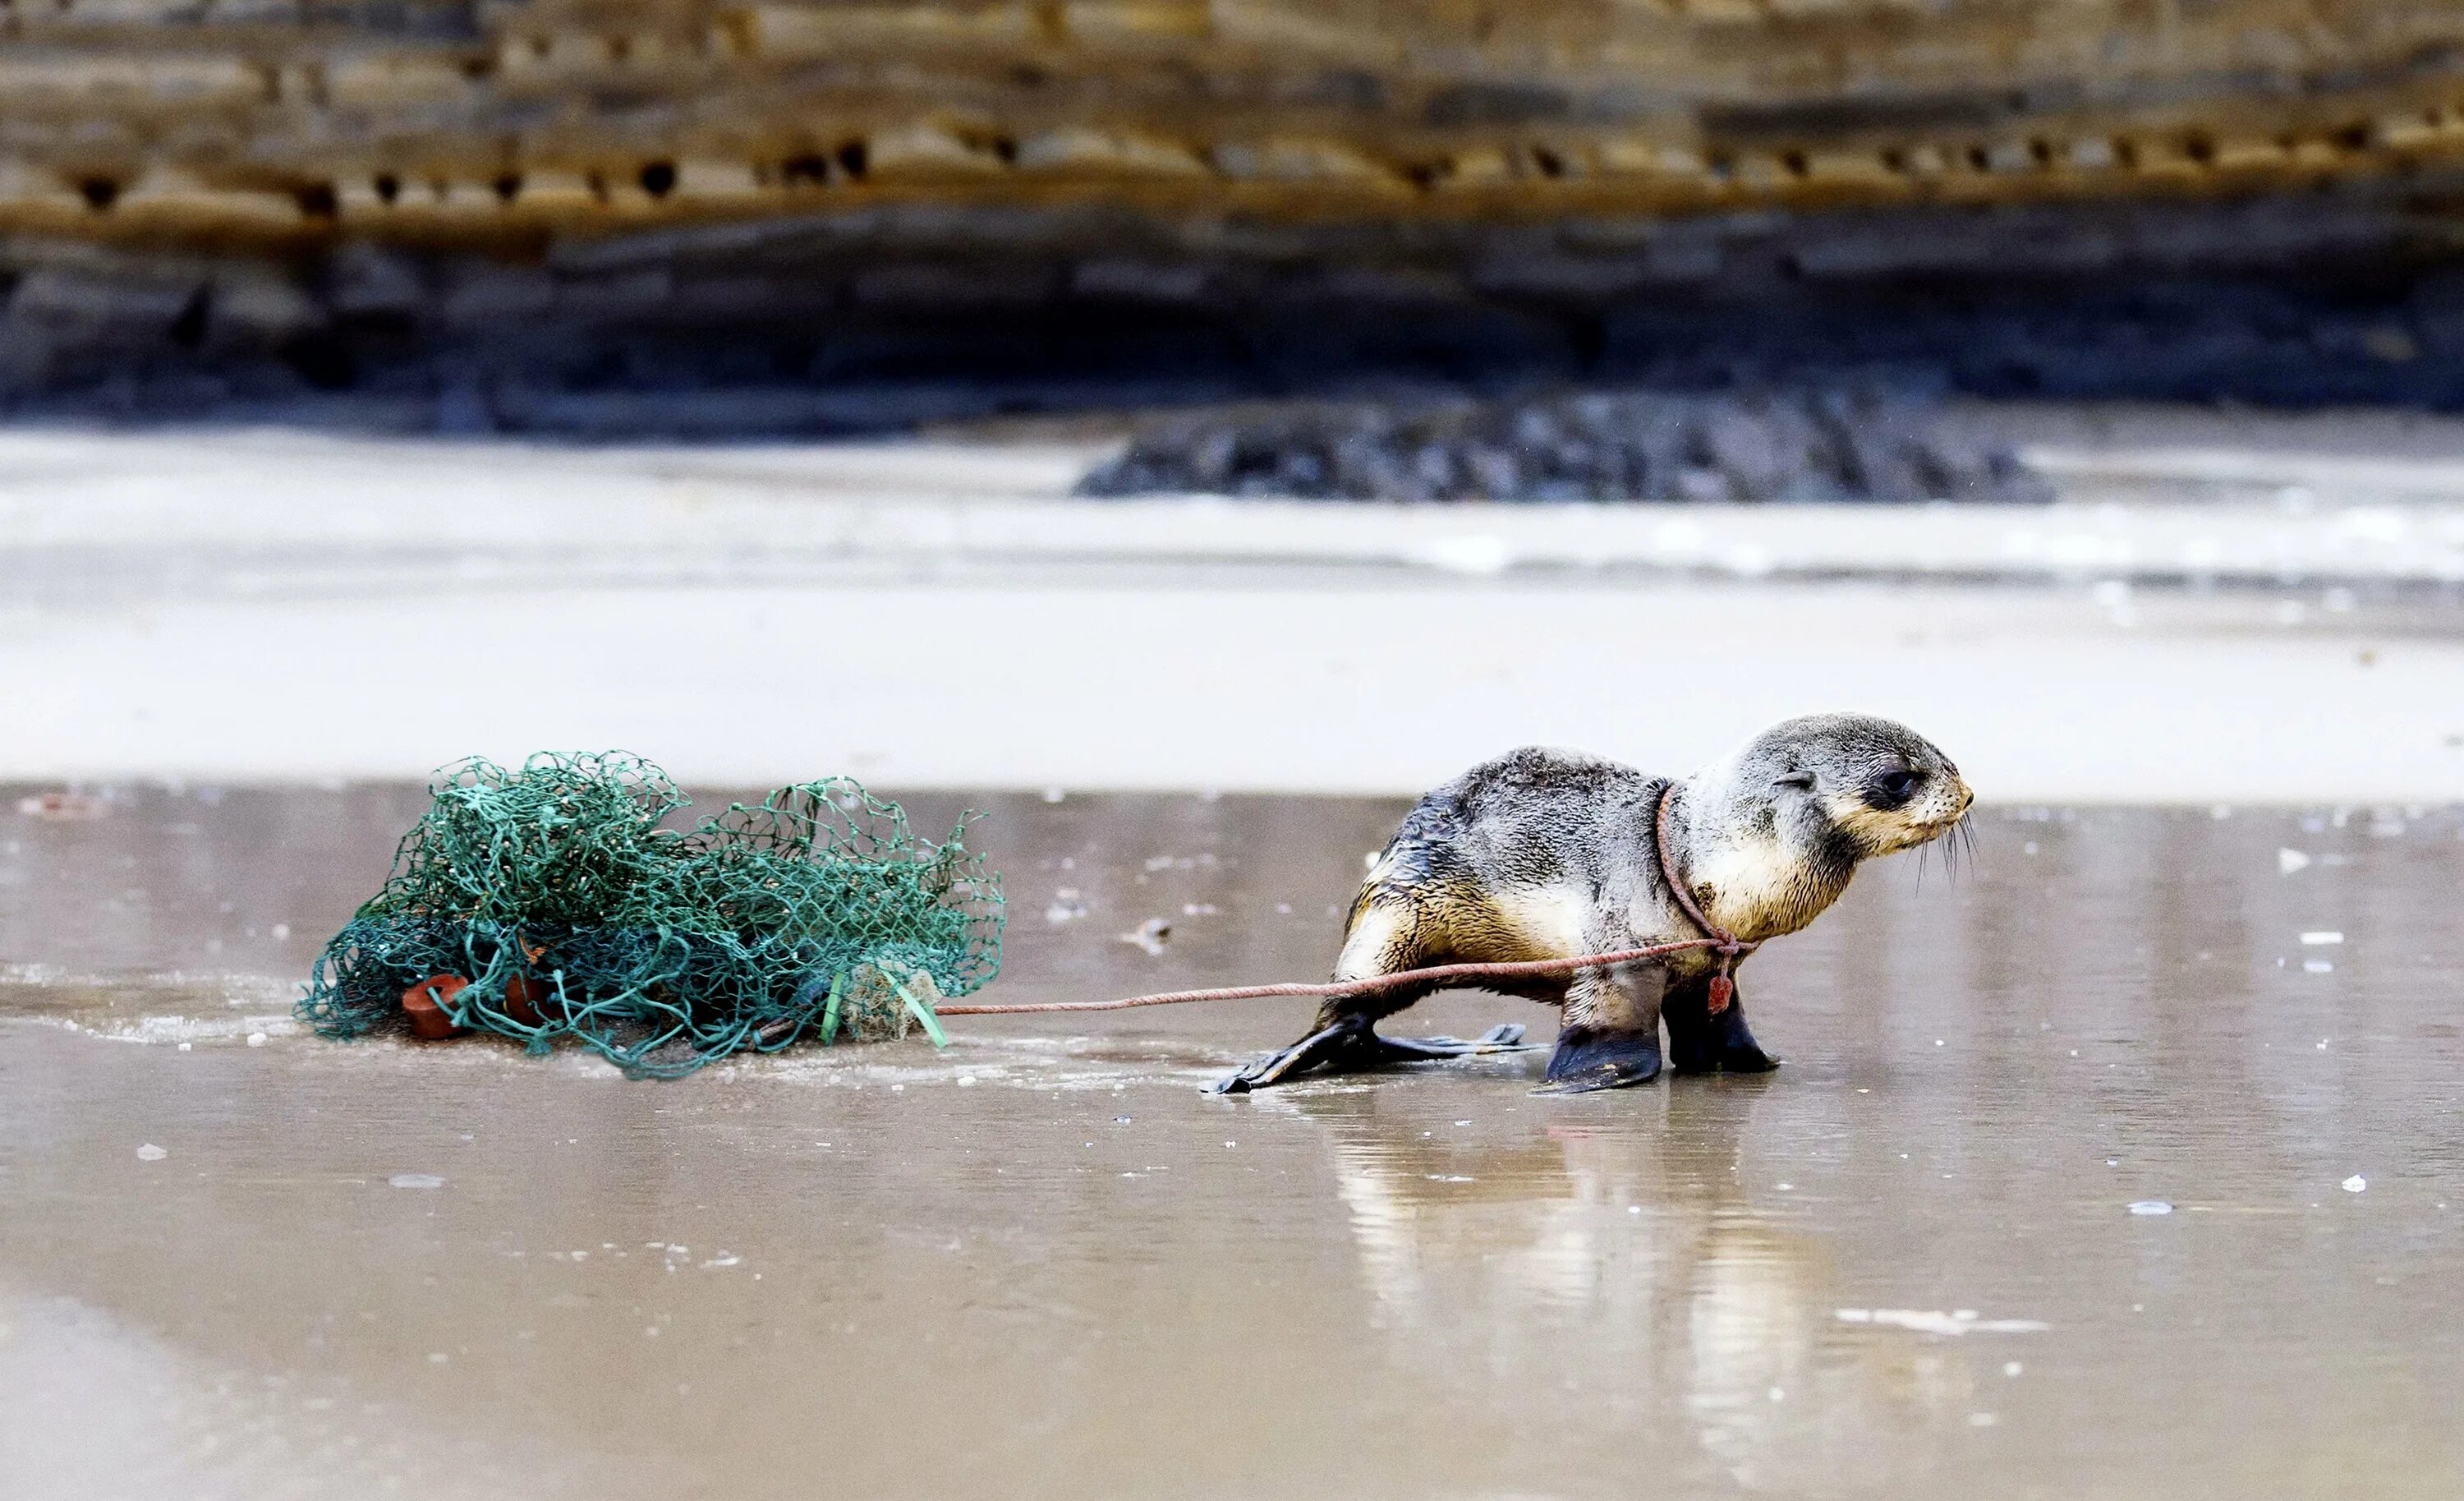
<point>554,890</point>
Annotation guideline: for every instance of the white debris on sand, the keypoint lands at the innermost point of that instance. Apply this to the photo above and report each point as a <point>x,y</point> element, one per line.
<point>63,807</point>
<point>1933,1321</point>
<point>2356,1184</point>
<point>2150,1207</point>
<point>151,1153</point>
<point>415,1180</point>
<point>2323,937</point>
<point>2288,861</point>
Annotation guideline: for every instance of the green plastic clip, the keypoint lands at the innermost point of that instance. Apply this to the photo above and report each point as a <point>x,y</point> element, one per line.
<point>923,1012</point>
<point>830,1009</point>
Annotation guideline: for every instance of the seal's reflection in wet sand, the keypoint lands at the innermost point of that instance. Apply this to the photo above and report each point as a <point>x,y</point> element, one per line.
<point>1619,1244</point>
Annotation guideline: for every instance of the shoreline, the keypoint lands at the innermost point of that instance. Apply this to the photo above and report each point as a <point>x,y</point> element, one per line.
<point>279,607</point>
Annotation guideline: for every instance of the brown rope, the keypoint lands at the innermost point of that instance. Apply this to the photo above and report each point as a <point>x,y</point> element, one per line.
<point>1441,973</point>
<point>1727,945</point>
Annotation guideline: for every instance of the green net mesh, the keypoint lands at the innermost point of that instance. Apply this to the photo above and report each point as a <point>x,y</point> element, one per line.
<point>554,890</point>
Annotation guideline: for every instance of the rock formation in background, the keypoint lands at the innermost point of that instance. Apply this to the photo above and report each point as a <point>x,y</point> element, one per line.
<point>518,213</point>
<point>1748,445</point>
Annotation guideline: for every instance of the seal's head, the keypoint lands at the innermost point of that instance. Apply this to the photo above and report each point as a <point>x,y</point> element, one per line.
<point>1781,824</point>
<point>1878,784</point>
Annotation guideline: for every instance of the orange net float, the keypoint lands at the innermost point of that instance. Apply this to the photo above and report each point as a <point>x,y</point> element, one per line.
<point>426,1003</point>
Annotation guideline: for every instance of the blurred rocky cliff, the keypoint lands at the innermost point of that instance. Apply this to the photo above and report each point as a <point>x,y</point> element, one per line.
<point>684,216</point>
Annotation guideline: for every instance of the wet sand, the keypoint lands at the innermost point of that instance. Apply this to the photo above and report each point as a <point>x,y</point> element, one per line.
<point>1043,1263</point>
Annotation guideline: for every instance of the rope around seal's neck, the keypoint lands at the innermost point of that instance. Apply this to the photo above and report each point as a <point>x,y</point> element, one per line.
<point>1730,947</point>
<point>1727,945</point>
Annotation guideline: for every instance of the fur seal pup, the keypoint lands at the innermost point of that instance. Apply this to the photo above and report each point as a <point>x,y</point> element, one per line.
<point>1549,854</point>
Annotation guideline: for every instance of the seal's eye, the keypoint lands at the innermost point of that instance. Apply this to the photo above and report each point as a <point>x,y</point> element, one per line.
<point>1892,788</point>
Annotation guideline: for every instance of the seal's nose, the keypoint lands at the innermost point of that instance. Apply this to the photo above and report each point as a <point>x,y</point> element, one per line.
<point>1949,804</point>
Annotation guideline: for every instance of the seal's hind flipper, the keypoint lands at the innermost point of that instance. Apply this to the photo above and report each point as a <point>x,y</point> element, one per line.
<point>1349,1046</point>
<point>1317,1047</point>
<point>1592,1058</point>
<point>1505,1037</point>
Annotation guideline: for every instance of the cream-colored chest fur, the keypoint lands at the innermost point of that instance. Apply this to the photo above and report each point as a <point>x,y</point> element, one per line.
<point>1758,890</point>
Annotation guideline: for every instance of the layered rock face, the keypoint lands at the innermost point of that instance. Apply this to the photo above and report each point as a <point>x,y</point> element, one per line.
<point>467,122</point>
<point>522,200</point>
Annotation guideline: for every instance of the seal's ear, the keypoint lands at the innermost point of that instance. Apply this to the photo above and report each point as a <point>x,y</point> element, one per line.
<point>1793,779</point>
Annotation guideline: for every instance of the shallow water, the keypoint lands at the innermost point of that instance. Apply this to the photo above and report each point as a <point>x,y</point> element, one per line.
<point>1043,1263</point>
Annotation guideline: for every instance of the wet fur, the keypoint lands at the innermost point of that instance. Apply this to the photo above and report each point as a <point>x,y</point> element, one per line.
<point>1550,853</point>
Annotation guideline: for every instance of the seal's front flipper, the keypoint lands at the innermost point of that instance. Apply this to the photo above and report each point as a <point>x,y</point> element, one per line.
<point>1690,1048</point>
<point>1733,1047</point>
<point>1320,1047</point>
<point>1592,1058</point>
<point>1505,1037</point>
<point>1699,1042</point>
